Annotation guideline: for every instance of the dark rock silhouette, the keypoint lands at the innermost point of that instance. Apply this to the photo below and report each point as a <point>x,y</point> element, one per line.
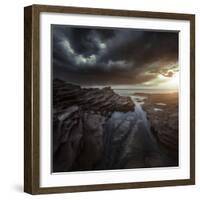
<point>97,129</point>
<point>93,99</point>
<point>79,115</point>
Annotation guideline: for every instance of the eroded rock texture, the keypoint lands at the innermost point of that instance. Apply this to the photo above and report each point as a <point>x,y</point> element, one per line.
<point>163,118</point>
<point>79,115</point>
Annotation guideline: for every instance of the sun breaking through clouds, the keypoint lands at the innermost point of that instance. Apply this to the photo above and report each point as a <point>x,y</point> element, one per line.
<point>99,56</point>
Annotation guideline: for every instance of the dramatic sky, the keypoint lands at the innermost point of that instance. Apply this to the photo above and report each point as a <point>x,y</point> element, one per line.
<point>116,57</point>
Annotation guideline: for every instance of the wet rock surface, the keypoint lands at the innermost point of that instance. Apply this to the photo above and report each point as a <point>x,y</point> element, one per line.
<point>98,129</point>
<point>162,113</point>
<point>79,117</point>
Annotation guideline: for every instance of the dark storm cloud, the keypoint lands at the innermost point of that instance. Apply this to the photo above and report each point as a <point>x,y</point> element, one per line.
<point>112,56</point>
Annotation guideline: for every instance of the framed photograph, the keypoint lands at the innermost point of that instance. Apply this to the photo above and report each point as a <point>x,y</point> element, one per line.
<point>109,99</point>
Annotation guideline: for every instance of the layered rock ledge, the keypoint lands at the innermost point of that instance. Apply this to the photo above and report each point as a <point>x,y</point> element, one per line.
<point>79,115</point>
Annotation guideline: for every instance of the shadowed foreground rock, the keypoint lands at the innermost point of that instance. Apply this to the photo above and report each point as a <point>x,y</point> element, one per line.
<point>79,115</point>
<point>163,118</point>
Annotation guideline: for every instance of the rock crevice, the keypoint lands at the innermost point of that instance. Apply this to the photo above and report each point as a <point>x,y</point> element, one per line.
<point>79,115</point>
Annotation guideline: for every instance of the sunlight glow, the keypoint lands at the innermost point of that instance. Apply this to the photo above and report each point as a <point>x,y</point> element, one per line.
<point>169,82</point>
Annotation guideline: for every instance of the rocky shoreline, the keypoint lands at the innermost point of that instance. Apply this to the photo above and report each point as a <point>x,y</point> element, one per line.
<point>162,113</point>
<point>98,129</point>
<point>79,115</point>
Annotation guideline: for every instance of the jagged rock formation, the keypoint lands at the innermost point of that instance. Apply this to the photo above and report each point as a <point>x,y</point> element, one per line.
<point>163,118</point>
<point>93,99</point>
<point>97,129</point>
<point>79,115</point>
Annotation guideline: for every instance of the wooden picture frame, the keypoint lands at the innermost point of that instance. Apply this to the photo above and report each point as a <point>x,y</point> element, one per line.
<point>32,106</point>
